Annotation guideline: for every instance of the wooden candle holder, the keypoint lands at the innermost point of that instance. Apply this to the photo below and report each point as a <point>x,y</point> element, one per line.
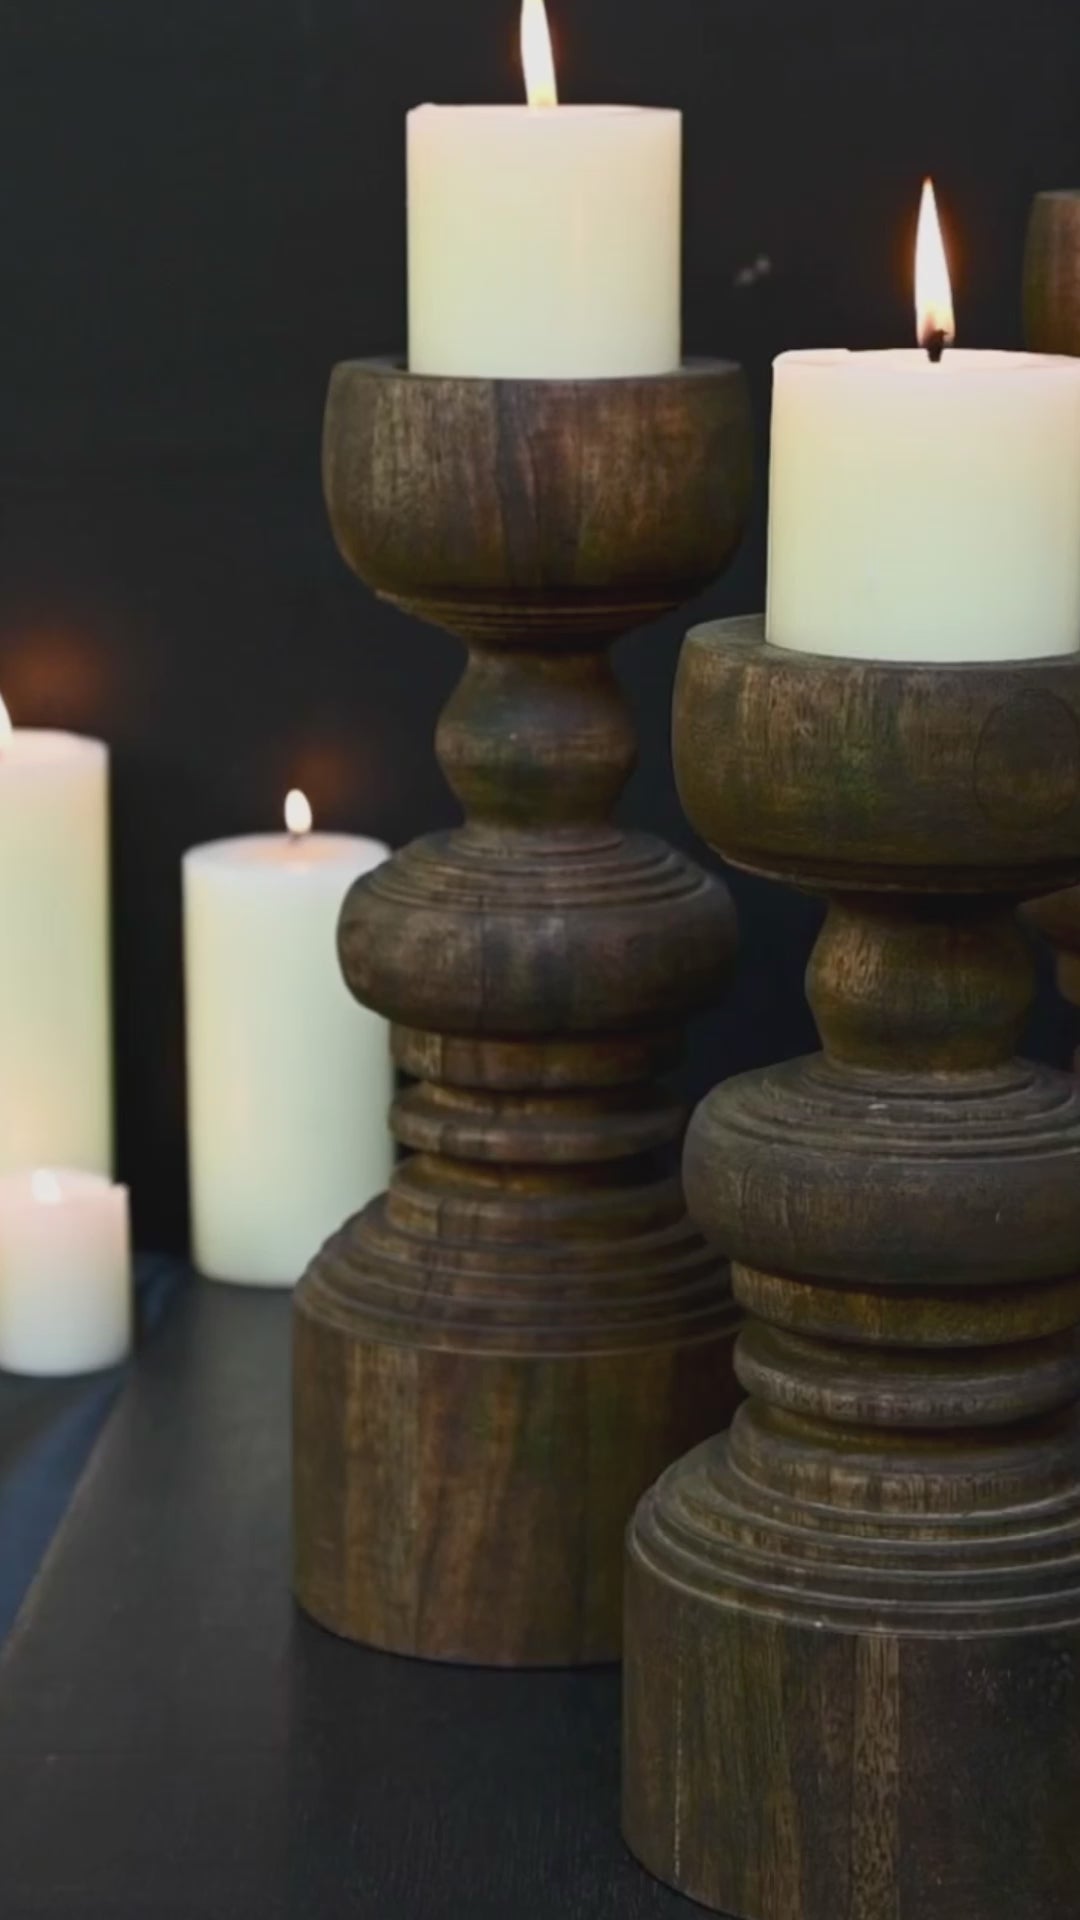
<point>1052,274</point>
<point>853,1625</point>
<point>495,1358</point>
<point>1052,325</point>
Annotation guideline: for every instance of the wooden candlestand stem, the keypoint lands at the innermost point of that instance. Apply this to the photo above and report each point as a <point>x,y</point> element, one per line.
<point>497,1356</point>
<point>1052,325</point>
<point>853,1624</point>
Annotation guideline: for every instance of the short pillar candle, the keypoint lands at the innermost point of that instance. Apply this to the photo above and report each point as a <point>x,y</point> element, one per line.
<point>924,502</point>
<point>922,512</point>
<point>65,1272</point>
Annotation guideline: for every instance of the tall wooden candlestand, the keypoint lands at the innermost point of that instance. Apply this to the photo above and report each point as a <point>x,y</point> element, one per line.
<point>853,1625</point>
<point>1052,325</point>
<point>497,1356</point>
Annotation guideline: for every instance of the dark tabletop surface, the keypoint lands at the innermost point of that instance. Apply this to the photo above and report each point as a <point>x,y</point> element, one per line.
<point>47,1431</point>
<point>176,1740</point>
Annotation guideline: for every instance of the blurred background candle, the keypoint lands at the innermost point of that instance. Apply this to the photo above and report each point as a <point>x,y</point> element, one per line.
<point>65,1272</point>
<point>544,240</point>
<point>55,1010</point>
<point>924,504</point>
<point>289,1080</point>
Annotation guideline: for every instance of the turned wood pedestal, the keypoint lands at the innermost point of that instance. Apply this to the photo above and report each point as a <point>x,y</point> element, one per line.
<point>853,1624</point>
<point>496,1358</point>
<point>1052,325</point>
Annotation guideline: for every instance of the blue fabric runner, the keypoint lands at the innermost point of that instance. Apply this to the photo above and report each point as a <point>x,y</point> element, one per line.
<point>47,1431</point>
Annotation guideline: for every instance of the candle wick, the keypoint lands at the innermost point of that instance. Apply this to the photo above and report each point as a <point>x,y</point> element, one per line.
<point>935,346</point>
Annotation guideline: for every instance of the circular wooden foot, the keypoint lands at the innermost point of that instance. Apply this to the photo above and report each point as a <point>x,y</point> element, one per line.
<point>822,1722</point>
<point>474,1424</point>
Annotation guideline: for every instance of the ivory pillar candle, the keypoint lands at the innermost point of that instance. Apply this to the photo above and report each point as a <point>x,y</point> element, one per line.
<point>925,512</point>
<point>544,241</point>
<point>925,505</point>
<point>289,1081</point>
<point>65,1272</point>
<point>55,1003</point>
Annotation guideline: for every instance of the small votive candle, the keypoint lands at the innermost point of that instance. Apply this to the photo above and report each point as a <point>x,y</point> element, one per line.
<point>65,1273</point>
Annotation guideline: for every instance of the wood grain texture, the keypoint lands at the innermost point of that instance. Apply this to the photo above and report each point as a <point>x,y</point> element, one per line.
<point>496,1358</point>
<point>853,1624</point>
<point>1052,273</point>
<point>1052,325</point>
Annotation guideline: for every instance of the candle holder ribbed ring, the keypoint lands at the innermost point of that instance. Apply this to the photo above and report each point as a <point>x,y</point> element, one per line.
<point>853,1624</point>
<point>494,1359</point>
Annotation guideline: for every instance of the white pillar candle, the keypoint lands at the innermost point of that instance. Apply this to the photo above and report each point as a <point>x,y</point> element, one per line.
<point>921,512</point>
<point>922,509</point>
<point>55,1005</point>
<point>289,1080</point>
<point>544,240</point>
<point>65,1272</point>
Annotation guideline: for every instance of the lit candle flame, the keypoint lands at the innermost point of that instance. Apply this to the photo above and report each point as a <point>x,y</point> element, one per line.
<point>46,1187</point>
<point>536,55</point>
<point>6,728</point>
<point>298,815</point>
<point>934,322</point>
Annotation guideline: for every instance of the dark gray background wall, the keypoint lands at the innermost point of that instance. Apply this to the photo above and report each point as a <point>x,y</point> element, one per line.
<point>201,207</point>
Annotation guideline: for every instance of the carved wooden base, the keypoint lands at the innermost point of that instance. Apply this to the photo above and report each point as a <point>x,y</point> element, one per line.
<point>498,1356</point>
<point>782,1764</point>
<point>853,1624</point>
<point>853,1629</point>
<point>495,1359</point>
<point>486,1379</point>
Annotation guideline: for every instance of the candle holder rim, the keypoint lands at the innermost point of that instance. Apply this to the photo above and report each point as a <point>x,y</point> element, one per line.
<point>393,366</point>
<point>585,506</point>
<point>744,631</point>
<point>894,775</point>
